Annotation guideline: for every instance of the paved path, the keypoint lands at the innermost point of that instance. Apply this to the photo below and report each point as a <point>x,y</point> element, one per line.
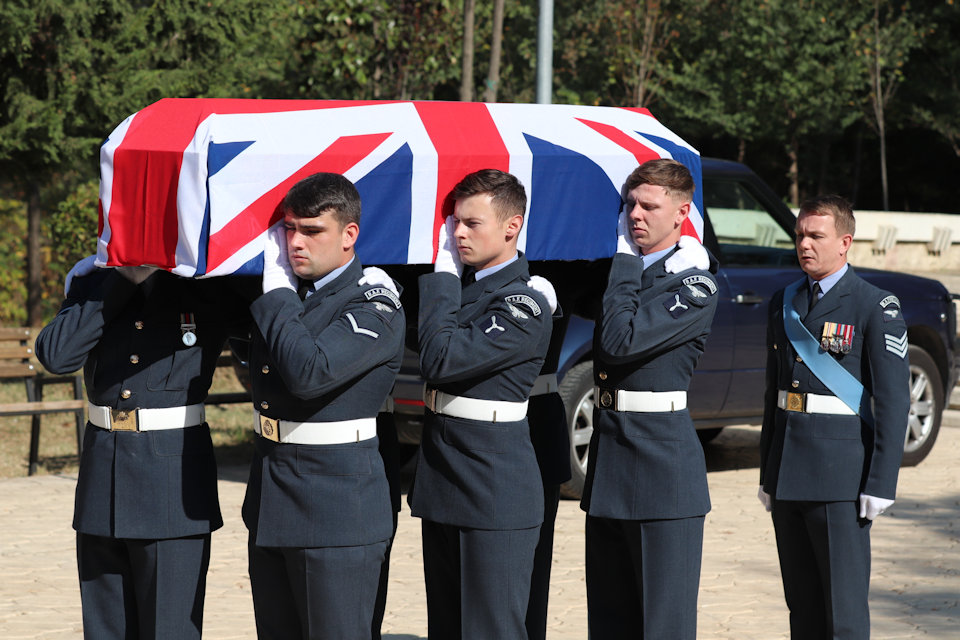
<point>916,558</point>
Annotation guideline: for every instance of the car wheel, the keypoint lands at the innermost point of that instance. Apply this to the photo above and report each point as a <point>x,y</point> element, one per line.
<point>926,407</point>
<point>576,390</point>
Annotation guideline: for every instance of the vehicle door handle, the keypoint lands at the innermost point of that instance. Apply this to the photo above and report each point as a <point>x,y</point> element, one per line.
<point>746,298</point>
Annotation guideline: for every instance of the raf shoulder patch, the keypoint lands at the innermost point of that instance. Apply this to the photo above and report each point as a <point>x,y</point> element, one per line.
<point>676,306</point>
<point>891,308</point>
<point>526,301</point>
<point>700,286</point>
<point>383,292</point>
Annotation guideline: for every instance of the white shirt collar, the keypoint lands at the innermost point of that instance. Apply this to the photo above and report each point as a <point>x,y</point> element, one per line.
<point>489,271</point>
<point>827,283</point>
<point>330,277</point>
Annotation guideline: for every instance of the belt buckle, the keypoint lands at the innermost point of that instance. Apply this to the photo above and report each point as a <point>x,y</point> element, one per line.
<point>123,420</point>
<point>608,398</point>
<point>796,401</point>
<point>269,428</point>
<point>430,399</point>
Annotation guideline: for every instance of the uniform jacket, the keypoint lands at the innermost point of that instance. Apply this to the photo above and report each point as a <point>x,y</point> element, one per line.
<point>823,457</point>
<point>652,330</point>
<point>331,357</point>
<point>548,417</point>
<point>128,338</point>
<point>487,342</point>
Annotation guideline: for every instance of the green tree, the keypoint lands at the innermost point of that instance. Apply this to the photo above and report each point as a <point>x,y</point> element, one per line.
<point>70,70</point>
<point>885,42</point>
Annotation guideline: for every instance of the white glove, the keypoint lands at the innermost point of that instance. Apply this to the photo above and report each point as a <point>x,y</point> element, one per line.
<point>448,259</point>
<point>691,255</point>
<point>543,286</point>
<point>765,499</point>
<point>84,267</point>
<point>277,272</point>
<point>871,507</point>
<point>136,275</point>
<point>625,243</point>
<point>377,277</point>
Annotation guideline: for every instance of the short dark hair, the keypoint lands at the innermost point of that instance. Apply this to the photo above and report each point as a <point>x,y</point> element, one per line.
<point>509,198</point>
<point>831,205</point>
<point>324,193</point>
<point>663,172</point>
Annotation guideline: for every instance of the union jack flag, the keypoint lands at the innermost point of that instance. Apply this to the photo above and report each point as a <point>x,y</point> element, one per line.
<point>191,185</point>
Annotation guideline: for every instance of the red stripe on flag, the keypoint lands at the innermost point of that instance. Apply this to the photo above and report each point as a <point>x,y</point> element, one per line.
<point>339,157</point>
<point>640,151</point>
<point>466,140</point>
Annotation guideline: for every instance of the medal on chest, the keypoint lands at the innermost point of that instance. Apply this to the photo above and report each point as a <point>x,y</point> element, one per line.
<point>188,329</point>
<point>836,337</point>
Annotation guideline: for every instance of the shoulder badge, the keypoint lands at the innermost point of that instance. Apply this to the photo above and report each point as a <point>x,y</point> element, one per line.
<point>891,308</point>
<point>707,283</point>
<point>517,313</point>
<point>526,301</point>
<point>383,292</point>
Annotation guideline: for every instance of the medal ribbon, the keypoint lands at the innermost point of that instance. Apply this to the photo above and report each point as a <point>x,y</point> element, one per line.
<point>830,372</point>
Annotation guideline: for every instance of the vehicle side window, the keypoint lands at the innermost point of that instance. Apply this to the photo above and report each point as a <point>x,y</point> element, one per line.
<point>746,232</point>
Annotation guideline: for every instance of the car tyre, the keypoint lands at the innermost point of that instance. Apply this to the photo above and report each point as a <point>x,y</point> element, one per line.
<point>926,407</point>
<point>576,390</point>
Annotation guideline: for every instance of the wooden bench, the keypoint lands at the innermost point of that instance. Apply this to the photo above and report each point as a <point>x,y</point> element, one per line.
<point>18,362</point>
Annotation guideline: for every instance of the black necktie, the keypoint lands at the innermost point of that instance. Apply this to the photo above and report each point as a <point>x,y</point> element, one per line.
<point>814,296</point>
<point>303,287</point>
<point>469,278</point>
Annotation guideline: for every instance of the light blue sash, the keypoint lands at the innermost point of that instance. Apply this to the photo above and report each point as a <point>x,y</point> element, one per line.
<point>821,364</point>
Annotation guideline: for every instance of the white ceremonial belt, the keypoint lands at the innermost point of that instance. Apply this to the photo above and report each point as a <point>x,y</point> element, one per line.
<point>335,432</point>
<point>545,384</point>
<point>473,408</point>
<point>640,401</point>
<point>812,403</point>
<point>145,419</point>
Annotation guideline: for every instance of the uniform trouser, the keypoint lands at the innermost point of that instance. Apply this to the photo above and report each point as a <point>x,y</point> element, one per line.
<point>536,621</point>
<point>323,593</point>
<point>478,581</point>
<point>643,577</point>
<point>824,550</point>
<point>380,606</point>
<point>132,588</point>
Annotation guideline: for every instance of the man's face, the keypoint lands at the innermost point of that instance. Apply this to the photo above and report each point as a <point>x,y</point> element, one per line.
<point>655,218</point>
<point>821,249</point>
<point>317,246</point>
<point>482,240</point>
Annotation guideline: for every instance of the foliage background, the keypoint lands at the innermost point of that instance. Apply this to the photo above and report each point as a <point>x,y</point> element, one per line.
<point>791,87</point>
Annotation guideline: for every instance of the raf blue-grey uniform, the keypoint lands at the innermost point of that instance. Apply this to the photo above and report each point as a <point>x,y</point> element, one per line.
<point>146,501</point>
<point>646,487</point>
<point>320,515</point>
<point>551,443</point>
<point>815,465</point>
<point>477,486</point>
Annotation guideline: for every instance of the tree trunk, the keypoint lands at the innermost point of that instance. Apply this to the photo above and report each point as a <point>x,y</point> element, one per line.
<point>34,262</point>
<point>793,152</point>
<point>466,72</point>
<point>493,74</point>
<point>878,101</point>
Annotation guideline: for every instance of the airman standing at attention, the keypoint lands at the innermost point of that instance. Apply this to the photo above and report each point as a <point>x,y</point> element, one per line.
<point>646,486</point>
<point>835,414</point>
